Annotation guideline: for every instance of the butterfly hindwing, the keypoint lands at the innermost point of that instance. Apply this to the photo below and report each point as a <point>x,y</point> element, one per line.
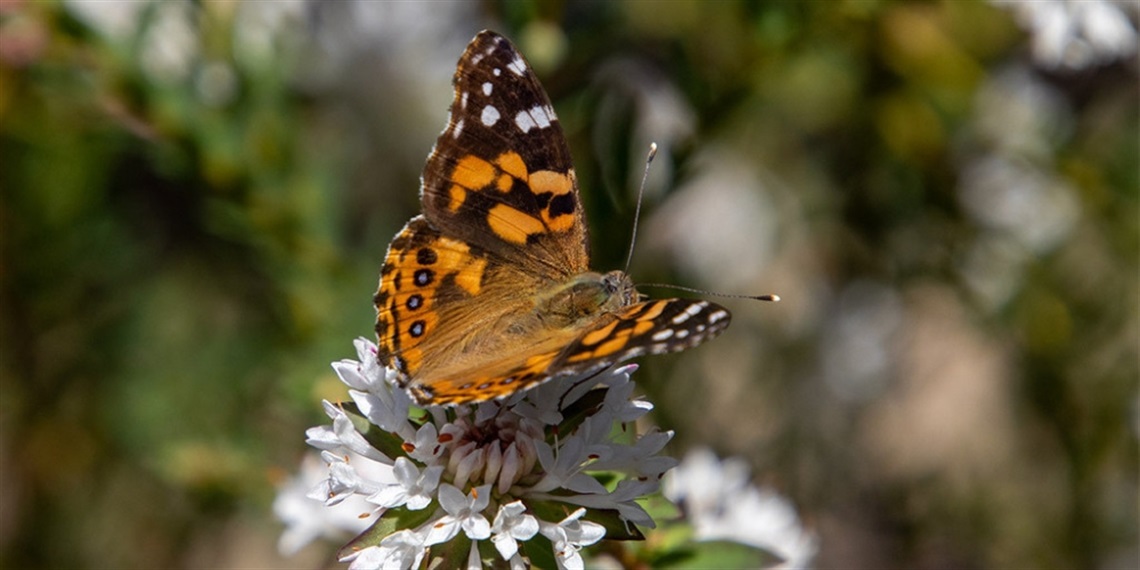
<point>423,273</point>
<point>651,327</point>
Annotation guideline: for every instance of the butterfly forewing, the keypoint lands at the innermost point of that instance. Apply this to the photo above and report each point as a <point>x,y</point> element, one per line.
<point>500,175</point>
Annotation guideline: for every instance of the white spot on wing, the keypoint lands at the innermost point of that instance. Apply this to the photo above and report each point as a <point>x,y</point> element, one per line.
<point>487,88</point>
<point>547,116</point>
<point>463,100</point>
<point>497,72</point>
<point>490,115</point>
<point>540,116</point>
<point>458,129</point>
<point>691,311</point>
<point>717,316</point>
<point>524,121</point>
<point>662,335</point>
<point>682,333</point>
<point>518,66</point>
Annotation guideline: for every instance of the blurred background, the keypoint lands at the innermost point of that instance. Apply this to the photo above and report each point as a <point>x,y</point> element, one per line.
<point>196,198</point>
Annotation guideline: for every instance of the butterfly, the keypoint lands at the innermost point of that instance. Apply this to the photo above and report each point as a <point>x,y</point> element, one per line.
<point>489,291</point>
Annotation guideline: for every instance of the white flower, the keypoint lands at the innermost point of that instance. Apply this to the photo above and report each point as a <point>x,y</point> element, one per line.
<point>412,487</point>
<point>306,519</point>
<point>425,446</point>
<point>348,436</point>
<point>511,525</point>
<point>722,505</point>
<point>398,551</point>
<point>569,536</point>
<point>564,468</point>
<point>463,511</point>
<point>344,481</point>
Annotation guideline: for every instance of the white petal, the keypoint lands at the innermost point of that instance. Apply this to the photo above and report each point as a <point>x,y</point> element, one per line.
<point>441,531</point>
<point>506,545</point>
<point>418,501</point>
<point>481,497</point>
<point>390,497</point>
<point>512,464</point>
<point>406,472</point>
<point>452,500</point>
<point>350,373</point>
<point>526,528</point>
<point>476,527</point>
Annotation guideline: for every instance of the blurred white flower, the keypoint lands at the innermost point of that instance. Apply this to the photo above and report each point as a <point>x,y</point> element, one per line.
<point>1017,113</point>
<point>720,222</point>
<point>170,43</point>
<point>260,28</point>
<point>857,341</point>
<point>1076,34</point>
<point>721,505</point>
<point>307,519</point>
<point>1029,203</point>
<point>116,20</point>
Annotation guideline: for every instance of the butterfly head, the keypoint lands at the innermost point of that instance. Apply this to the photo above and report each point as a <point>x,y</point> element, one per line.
<point>620,288</point>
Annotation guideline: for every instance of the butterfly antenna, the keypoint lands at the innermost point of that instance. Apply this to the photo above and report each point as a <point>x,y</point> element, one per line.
<point>773,298</point>
<point>637,211</point>
<point>633,241</point>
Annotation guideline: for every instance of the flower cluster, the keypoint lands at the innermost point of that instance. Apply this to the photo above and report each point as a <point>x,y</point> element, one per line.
<point>532,478</point>
<point>721,504</point>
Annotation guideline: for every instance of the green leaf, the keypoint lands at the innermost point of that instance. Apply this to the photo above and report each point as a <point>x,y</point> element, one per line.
<point>713,554</point>
<point>540,551</point>
<point>616,527</point>
<point>451,554</point>
<point>391,521</point>
<point>491,556</point>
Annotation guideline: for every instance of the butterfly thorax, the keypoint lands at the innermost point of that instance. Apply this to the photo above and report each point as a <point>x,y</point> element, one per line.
<point>583,299</point>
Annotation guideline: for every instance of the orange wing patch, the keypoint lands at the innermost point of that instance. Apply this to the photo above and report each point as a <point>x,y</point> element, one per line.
<point>475,174</point>
<point>513,225</point>
<point>418,261</point>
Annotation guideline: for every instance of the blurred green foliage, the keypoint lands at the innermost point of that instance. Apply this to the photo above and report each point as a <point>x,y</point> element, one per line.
<point>195,196</point>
